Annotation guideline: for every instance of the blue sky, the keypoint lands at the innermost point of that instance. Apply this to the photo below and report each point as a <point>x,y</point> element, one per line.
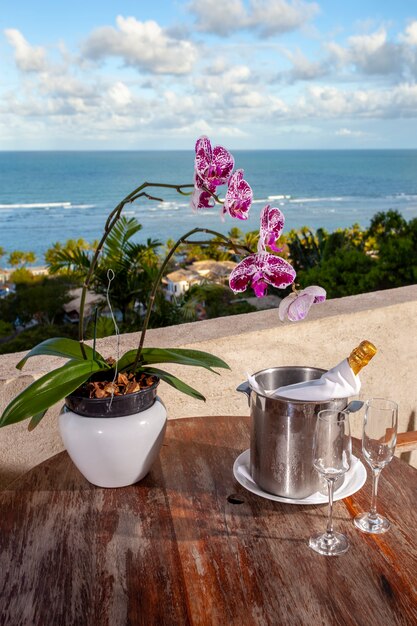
<point>257,74</point>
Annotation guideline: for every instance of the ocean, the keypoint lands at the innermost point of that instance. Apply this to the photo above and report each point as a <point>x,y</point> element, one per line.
<point>47,197</point>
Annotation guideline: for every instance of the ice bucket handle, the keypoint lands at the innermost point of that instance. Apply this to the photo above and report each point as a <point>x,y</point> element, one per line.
<point>244,388</point>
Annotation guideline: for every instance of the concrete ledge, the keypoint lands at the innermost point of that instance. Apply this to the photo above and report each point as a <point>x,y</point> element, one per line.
<point>248,343</point>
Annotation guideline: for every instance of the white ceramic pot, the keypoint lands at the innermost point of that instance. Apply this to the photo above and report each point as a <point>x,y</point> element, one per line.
<point>114,451</point>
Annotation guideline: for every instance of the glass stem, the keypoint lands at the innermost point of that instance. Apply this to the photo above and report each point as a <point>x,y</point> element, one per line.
<point>375,478</point>
<point>330,485</point>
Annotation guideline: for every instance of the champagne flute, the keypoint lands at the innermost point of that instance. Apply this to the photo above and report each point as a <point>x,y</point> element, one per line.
<point>332,449</point>
<point>378,445</point>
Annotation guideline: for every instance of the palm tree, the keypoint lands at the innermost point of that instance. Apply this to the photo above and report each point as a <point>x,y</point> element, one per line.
<point>19,258</point>
<point>134,266</point>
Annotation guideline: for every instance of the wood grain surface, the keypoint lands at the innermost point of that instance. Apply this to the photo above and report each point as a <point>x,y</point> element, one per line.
<point>188,545</point>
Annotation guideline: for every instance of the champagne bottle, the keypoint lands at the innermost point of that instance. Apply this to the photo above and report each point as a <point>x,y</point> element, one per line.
<point>341,381</point>
<point>361,355</point>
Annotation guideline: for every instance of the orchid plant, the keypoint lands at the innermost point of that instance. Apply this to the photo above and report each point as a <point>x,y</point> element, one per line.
<point>214,167</point>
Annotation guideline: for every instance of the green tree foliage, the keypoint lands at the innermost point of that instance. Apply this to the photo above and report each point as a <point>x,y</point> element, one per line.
<point>19,258</point>
<point>346,262</point>
<point>59,256</point>
<point>134,266</point>
<point>23,276</point>
<point>396,255</point>
<point>38,301</point>
<point>353,261</point>
<point>305,248</point>
<point>104,327</point>
<point>250,240</point>
<point>32,336</point>
<point>215,299</point>
<point>344,273</point>
<point>41,301</point>
<point>6,329</point>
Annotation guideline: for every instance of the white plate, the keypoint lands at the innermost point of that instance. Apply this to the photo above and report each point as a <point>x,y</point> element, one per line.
<point>353,481</point>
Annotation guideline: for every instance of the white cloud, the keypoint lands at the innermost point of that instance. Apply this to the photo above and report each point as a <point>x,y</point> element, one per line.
<point>303,68</point>
<point>266,17</point>
<point>202,127</point>
<point>374,54</point>
<point>220,93</point>
<point>330,102</point>
<point>347,132</point>
<point>120,94</point>
<point>143,45</point>
<point>222,22</point>
<point>28,58</point>
<point>278,16</point>
<point>410,35</point>
<point>65,85</point>
<point>186,94</point>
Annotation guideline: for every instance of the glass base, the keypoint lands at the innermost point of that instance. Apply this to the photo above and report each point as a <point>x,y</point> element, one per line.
<point>375,524</point>
<point>329,545</point>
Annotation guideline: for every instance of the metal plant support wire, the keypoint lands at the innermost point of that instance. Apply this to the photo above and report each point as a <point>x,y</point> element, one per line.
<point>111,276</point>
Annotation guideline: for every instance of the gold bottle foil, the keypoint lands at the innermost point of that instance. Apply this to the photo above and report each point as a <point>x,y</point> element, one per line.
<point>361,355</point>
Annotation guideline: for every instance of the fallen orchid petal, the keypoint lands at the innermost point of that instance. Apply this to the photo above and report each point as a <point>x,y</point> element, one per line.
<point>238,197</point>
<point>284,305</point>
<point>272,225</point>
<point>213,165</point>
<point>300,307</point>
<point>260,270</point>
<point>297,305</point>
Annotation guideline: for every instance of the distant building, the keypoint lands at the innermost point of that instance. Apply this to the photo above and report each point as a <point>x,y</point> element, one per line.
<point>177,283</point>
<point>40,270</point>
<point>72,308</point>
<point>216,271</point>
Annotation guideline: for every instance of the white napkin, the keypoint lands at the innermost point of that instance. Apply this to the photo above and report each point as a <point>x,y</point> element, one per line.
<point>339,382</point>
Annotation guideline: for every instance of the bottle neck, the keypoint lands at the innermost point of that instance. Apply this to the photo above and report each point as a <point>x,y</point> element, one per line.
<point>361,355</point>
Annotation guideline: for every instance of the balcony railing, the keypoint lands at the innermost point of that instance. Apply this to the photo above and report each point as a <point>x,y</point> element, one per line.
<point>249,343</point>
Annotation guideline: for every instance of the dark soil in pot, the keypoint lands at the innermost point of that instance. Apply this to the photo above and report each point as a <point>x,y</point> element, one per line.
<point>130,395</point>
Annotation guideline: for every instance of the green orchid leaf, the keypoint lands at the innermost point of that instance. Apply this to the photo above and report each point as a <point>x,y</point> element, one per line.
<point>61,346</point>
<point>174,382</point>
<point>181,356</point>
<point>48,390</point>
<point>35,420</point>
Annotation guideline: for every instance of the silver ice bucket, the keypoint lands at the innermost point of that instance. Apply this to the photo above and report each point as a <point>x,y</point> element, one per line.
<point>281,440</point>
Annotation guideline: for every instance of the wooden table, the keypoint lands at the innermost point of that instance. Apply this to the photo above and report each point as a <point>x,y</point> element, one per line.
<point>188,545</point>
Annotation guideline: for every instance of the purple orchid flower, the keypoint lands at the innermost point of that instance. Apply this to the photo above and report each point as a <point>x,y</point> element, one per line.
<point>213,165</point>
<point>201,198</point>
<point>260,270</point>
<point>272,225</point>
<point>297,304</point>
<point>238,197</point>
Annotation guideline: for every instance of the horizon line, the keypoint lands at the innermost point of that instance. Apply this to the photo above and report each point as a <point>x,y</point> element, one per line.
<point>64,150</point>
